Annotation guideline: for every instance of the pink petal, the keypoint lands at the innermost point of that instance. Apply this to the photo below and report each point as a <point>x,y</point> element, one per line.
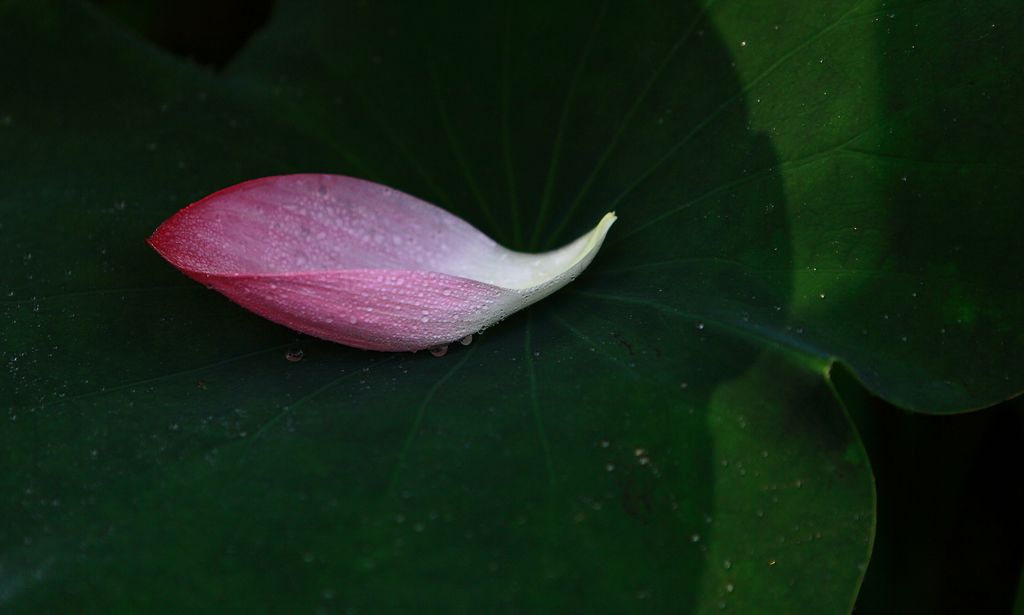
<point>358,263</point>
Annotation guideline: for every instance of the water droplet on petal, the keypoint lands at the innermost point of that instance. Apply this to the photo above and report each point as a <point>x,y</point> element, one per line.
<point>466,341</point>
<point>439,351</point>
<point>294,355</point>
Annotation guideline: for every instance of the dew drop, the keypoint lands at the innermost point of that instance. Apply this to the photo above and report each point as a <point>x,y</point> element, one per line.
<point>700,326</point>
<point>439,351</point>
<point>294,355</point>
<point>466,341</point>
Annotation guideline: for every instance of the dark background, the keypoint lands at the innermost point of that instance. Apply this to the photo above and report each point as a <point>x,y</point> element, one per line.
<point>950,537</point>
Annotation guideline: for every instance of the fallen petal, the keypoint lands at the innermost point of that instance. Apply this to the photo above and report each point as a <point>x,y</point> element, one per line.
<point>357,263</point>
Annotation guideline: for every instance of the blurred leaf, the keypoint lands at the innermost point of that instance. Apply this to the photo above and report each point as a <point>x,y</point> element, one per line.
<point>947,526</point>
<point>662,436</point>
<point>206,32</point>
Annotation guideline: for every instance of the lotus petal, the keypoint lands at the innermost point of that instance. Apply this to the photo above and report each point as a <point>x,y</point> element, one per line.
<point>357,263</point>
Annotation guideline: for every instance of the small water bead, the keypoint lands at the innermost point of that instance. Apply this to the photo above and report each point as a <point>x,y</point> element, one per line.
<point>439,351</point>
<point>466,341</point>
<point>294,355</point>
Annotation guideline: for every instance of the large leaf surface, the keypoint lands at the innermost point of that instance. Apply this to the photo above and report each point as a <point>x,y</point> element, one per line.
<point>794,186</point>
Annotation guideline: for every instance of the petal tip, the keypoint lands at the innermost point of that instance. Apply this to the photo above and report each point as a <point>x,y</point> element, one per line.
<point>596,237</point>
